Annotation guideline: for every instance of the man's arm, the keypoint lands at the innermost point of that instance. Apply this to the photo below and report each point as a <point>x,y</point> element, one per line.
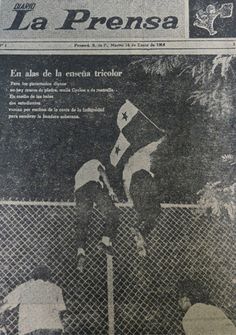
<point>61,306</point>
<point>7,305</point>
<point>4,307</point>
<point>127,176</point>
<point>12,300</point>
<point>107,183</point>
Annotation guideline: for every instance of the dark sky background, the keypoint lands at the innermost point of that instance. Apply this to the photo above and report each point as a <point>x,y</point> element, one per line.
<point>39,158</point>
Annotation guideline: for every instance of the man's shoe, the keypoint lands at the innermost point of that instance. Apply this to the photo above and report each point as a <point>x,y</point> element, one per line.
<point>141,250</point>
<point>80,262</point>
<point>140,242</point>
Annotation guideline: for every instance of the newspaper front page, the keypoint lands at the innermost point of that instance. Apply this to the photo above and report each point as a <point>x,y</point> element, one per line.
<point>117,170</point>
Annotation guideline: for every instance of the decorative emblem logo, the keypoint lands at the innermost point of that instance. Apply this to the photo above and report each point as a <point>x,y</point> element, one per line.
<point>205,19</point>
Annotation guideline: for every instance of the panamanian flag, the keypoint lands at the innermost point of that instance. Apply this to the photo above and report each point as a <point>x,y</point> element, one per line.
<point>125,115</point>
<point>136,131</point>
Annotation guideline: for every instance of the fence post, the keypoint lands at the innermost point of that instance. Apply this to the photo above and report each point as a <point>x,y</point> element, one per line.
<point>110,296</point>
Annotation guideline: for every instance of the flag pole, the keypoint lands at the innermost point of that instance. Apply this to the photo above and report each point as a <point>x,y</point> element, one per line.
<point>160,129</point>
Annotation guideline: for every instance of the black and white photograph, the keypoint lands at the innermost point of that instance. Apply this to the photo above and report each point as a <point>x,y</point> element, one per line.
<point>117,192</point>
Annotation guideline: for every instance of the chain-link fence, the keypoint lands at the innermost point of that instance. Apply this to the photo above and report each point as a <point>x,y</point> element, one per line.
<point>184,244</point>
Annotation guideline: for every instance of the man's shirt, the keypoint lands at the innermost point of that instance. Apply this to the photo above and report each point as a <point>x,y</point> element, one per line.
<point>202,319</point>
<point>141,160</point>
<point>88,172</point>
<point>40,303</point>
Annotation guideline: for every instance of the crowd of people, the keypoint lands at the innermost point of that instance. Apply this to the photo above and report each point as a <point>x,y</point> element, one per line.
<point>41,308</point>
